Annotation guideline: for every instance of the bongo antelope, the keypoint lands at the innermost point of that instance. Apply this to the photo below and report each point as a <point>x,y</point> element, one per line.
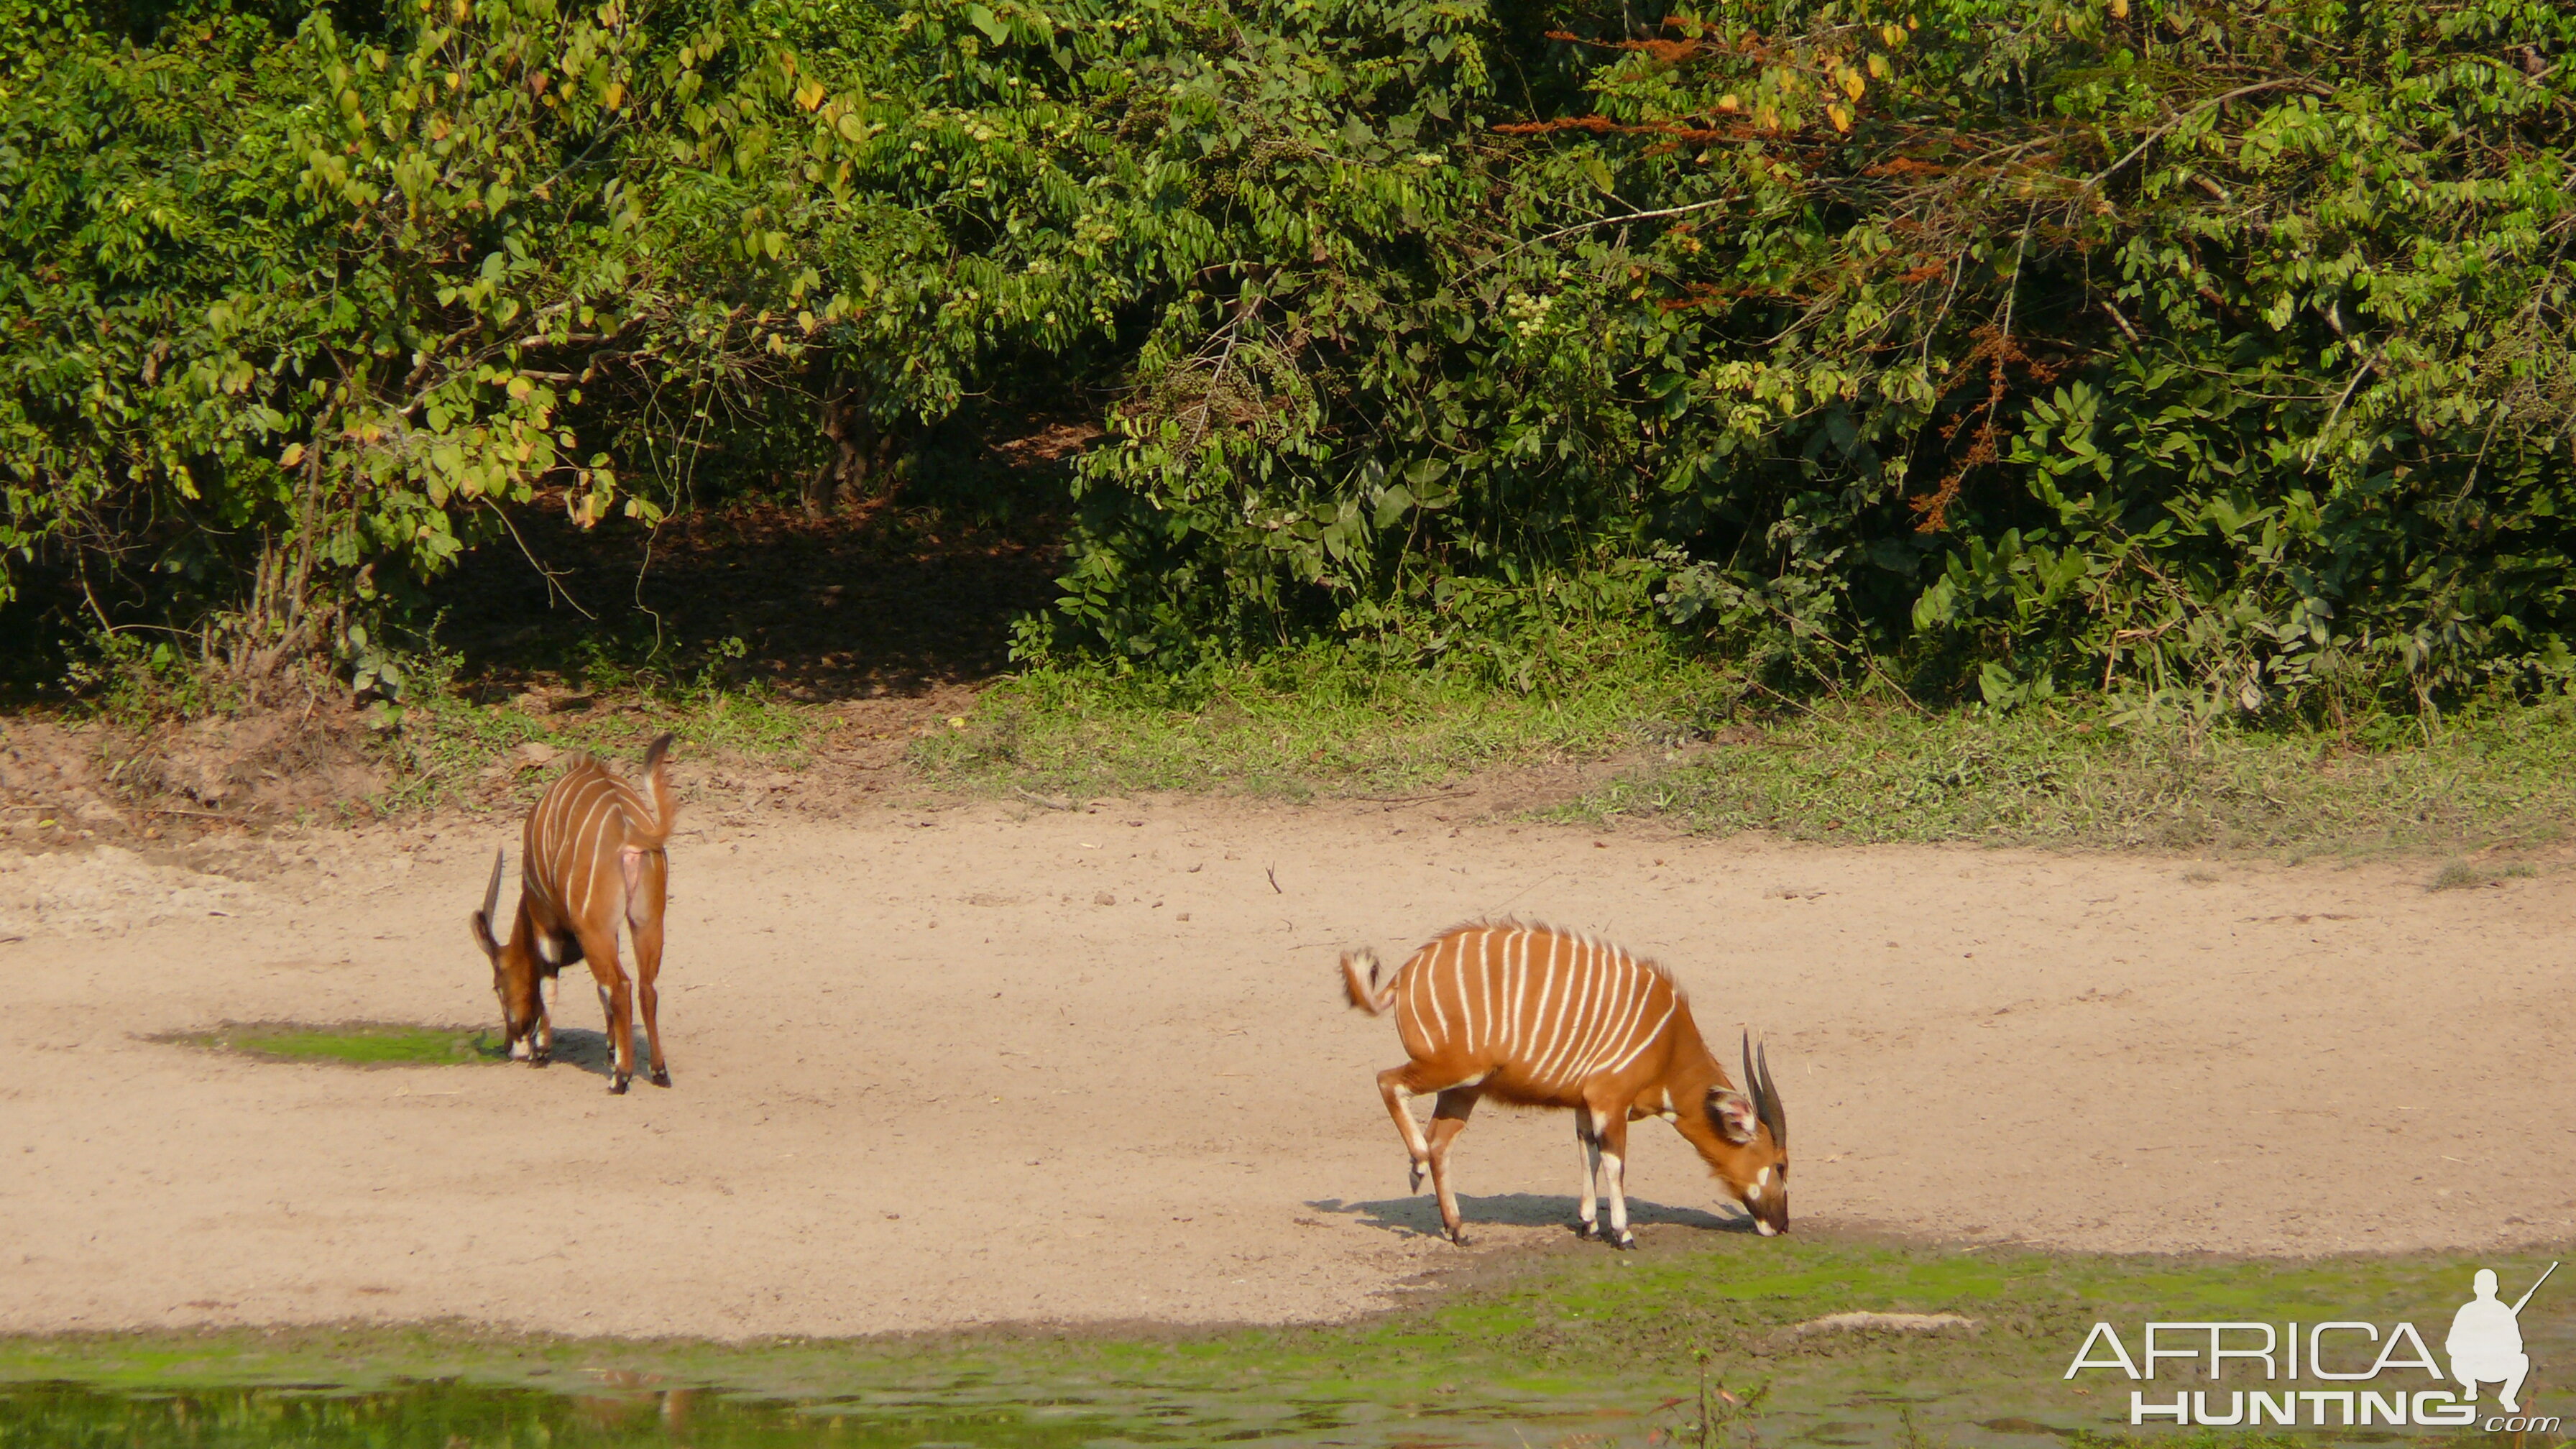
<point>591,854</point>
<point>1545,1018</point>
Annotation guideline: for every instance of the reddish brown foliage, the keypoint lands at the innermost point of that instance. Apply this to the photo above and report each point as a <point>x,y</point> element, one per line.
<point>1670,52</point>
<point>1997,350</point>
<point>1604,126</point>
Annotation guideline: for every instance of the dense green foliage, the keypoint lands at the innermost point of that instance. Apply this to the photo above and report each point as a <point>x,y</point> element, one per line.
<point>2222,352</point>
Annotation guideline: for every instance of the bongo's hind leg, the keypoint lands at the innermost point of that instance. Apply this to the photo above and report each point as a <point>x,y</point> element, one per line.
<point>1448,1119</point>
<point>648,876</point>
<point>1398,1086</point>
<point>617,1000</point>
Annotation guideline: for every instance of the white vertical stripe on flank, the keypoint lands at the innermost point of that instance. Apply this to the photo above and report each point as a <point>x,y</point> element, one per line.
<point>1431,993</point>
<point>1542,1011</point>
<point>1588,1017</point>
<point>576,885</point>
<point>1511,992</point>
<point>1606,972</point>
<point>1551,975</point>
<point>567,860</point>
<point>1641,995</point>
<point>606,876</point>
<point>601,858</point>
<point>1556,1000</point>
<point>1413,975</point>
<point>583,865</point>
<point>1622,1016</point>
<point>1552,1000</point>
<point>1569,1016</point>
<point>1576,1014</point>
<point>1644,1039</point>
<point>1399,996</point>
<point>1466,1004</point>
<point>532,857</point>
<point>1614,986</point>
<point>1533,1002</point>
<point>1596,1012</point>
<point>1469,1001</point>
<point>1533,993</point>
<point>1493,1038</point>
<point>1621,1020</point>
<point>1467,1011</point>
<point>540,867</point>
<point>1471,959</point>
<point>1606,983</point>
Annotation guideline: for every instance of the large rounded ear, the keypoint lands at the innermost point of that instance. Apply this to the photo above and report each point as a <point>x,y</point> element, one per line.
<point>1732,1114</point>
<point>483,935</point>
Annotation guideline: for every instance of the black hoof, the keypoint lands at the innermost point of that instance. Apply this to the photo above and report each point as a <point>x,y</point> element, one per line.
<point>661,1077</point>
<point>1419,1172</point>
<point>539,1059</point>
<point>617,1088</point>
<point>1626,1243</point>
<point>1458,1238</point>
<point>1587,1231</point>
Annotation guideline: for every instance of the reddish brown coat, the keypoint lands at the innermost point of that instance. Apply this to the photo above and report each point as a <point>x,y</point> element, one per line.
<point>592,855</point>
<point>1548,1018</point>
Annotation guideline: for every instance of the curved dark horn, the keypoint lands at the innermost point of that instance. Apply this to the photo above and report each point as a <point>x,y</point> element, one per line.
<point>492,892</point>
<point>1752,1083</point>
<point>1774,1115</point>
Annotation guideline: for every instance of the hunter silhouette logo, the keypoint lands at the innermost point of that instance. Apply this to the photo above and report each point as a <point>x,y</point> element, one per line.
<point>2486,1340</point>
<point>2360,1371</point>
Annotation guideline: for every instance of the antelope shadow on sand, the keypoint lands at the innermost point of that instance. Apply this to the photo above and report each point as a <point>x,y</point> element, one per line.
<point>584,1049</point>
<point>1419,1216</point>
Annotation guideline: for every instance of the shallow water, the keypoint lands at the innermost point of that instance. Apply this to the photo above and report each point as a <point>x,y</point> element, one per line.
<point>461,1415</point>
<point>1534,1364</point>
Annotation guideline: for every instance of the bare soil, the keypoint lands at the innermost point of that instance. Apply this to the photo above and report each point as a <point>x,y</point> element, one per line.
<point>68,781</point>
<point>888,614</point>
<point>961,1064</point>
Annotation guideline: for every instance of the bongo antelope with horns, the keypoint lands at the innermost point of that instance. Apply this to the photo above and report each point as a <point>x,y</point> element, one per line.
<point>1545,1018</point>
<point>591,855</point>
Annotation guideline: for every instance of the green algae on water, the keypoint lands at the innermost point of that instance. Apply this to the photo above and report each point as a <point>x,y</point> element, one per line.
<point>353,1043</point>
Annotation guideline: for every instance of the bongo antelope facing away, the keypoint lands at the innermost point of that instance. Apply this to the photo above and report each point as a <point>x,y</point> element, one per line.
<point>592,854</point>
<point>1543,1018</point>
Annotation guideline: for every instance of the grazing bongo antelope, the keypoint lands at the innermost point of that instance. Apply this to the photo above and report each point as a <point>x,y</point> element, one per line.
<point>1544,1018</point>
<point>591,853</point>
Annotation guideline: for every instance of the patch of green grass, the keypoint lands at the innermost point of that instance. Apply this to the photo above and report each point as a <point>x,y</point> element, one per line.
<point>443,746</point>
<point>1617,1347</point>
<point>1317,721</point>
<point>1709,755</point>
<point>2468,875</point>
<point>1699,747</point>
<point>2088,776</point>
<point>357,1043</point>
